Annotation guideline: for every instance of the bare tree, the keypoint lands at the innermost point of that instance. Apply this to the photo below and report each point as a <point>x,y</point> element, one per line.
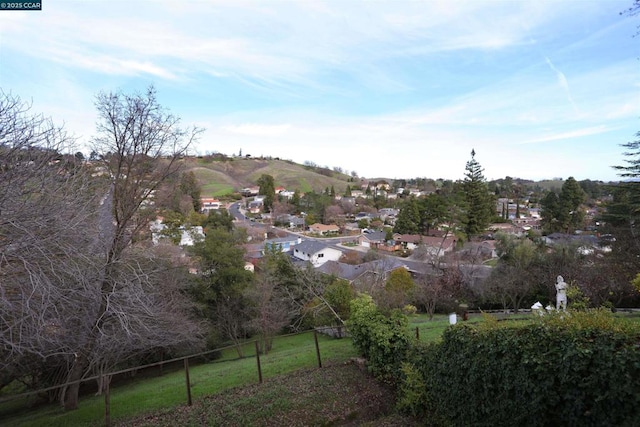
<point>140,145</point>
<point>46,204</point>
<point>333,214</point>
<point>272,310</point>
<point>439,290</point>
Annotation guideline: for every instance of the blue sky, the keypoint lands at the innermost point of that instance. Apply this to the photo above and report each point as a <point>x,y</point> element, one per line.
<point>399,89</point>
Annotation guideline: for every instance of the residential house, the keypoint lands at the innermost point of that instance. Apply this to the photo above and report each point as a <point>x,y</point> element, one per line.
<point>287,194</point>
<point>188,235</point>
<point>255,206</point>
<point>283,244</point>
<point>371,275</point>
<point>323,229</point>
<point>209,204</point>
<point>408,241</point>
<point>372,239</point>
<point>317,253</point>
<point>506,228</point>
<point>435,246</point>
<point>290,221</point>
<point>250,191</point>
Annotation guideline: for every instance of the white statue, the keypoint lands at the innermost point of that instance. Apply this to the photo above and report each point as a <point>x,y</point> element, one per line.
<point>561,295</point>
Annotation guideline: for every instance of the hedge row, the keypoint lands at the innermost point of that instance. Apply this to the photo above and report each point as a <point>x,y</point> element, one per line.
<point>579,368</point>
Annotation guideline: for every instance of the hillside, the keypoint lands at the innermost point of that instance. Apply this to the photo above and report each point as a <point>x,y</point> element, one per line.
<point>342,395</point>
<point>219,177</point>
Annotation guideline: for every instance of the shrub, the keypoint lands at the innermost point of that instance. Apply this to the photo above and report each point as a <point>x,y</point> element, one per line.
<point>578,368</point>
<point>382,340</point>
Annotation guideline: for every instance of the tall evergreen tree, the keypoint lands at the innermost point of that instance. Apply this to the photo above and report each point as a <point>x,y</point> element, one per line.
<point>562,213</point>
<point>479,202</point>
<point>550,204</point>
<point>623,212</point>
<point>268,190</point>
<point>189,186</point>
<point>571,198</point>
<point>295,200</point>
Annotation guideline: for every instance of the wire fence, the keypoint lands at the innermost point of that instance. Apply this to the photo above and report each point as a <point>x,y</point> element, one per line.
<point>203,374</point>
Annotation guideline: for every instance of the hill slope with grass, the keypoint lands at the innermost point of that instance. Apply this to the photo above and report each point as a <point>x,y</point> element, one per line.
<point>218,177</point>
<point>342,394</point>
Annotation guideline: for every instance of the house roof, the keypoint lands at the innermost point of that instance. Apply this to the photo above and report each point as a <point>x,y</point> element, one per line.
<point>289,239</point>
<point>431,241</point>
<point>344,271</point>
<point>323,227</point>
<point>408,238</point>
<point>310,247</point>
<point>434,241</point>
<point>375,236</point>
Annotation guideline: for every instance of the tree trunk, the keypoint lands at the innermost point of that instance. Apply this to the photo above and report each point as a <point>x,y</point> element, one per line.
<point>69,396</point>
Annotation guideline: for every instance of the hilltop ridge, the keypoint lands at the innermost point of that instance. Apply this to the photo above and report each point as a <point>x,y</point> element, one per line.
<point>219,176</point>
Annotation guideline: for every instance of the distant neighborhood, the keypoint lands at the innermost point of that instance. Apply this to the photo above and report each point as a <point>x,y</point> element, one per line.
<point>351,228</point>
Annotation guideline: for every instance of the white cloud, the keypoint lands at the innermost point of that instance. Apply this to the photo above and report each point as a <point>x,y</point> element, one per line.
<point>596,130</point>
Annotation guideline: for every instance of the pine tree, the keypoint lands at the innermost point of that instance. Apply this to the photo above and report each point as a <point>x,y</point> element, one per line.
<point>479,203</point>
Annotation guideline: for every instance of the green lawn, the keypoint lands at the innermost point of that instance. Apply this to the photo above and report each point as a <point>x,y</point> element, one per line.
<point>142,395</point>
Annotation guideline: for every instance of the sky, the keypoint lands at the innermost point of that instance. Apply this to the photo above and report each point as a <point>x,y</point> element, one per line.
<point>539,89</point>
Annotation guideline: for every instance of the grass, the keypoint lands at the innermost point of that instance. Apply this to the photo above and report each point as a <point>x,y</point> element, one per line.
<point>142,395</point>
<point>340,394</point>
<point>226,391</point>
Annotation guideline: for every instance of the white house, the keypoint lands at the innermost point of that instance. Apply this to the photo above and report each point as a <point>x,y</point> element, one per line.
<point>316,253</point>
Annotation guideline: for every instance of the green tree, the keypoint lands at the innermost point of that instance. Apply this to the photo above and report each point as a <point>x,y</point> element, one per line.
<point>398,288</point>
<point>480,204</point>
<point>295,201</point>
<point>334,308</point>
<point>433,211</point>
<point>563,212</point>
<point>550,205</point>
<point>221,289</point>
<point>220,218</point>
<point>190,187</point>
<point>408,218</point>
<point>268,190</point>
<point>571,215</point>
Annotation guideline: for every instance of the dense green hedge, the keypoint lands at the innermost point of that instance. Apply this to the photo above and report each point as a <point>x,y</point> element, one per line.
<point>579,368</point>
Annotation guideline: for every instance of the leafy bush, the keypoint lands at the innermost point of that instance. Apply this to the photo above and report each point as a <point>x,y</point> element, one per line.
<point>382,340</point>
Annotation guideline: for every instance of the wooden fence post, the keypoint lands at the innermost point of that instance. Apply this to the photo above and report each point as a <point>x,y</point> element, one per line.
<point>417,334</point>
<point>258,361</point>
<point>315,338</point>
<point>186,375</point>
<point>107,401</point>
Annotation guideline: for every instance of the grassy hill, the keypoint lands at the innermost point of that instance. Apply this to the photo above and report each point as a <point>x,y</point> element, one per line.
<point>220,177</point>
